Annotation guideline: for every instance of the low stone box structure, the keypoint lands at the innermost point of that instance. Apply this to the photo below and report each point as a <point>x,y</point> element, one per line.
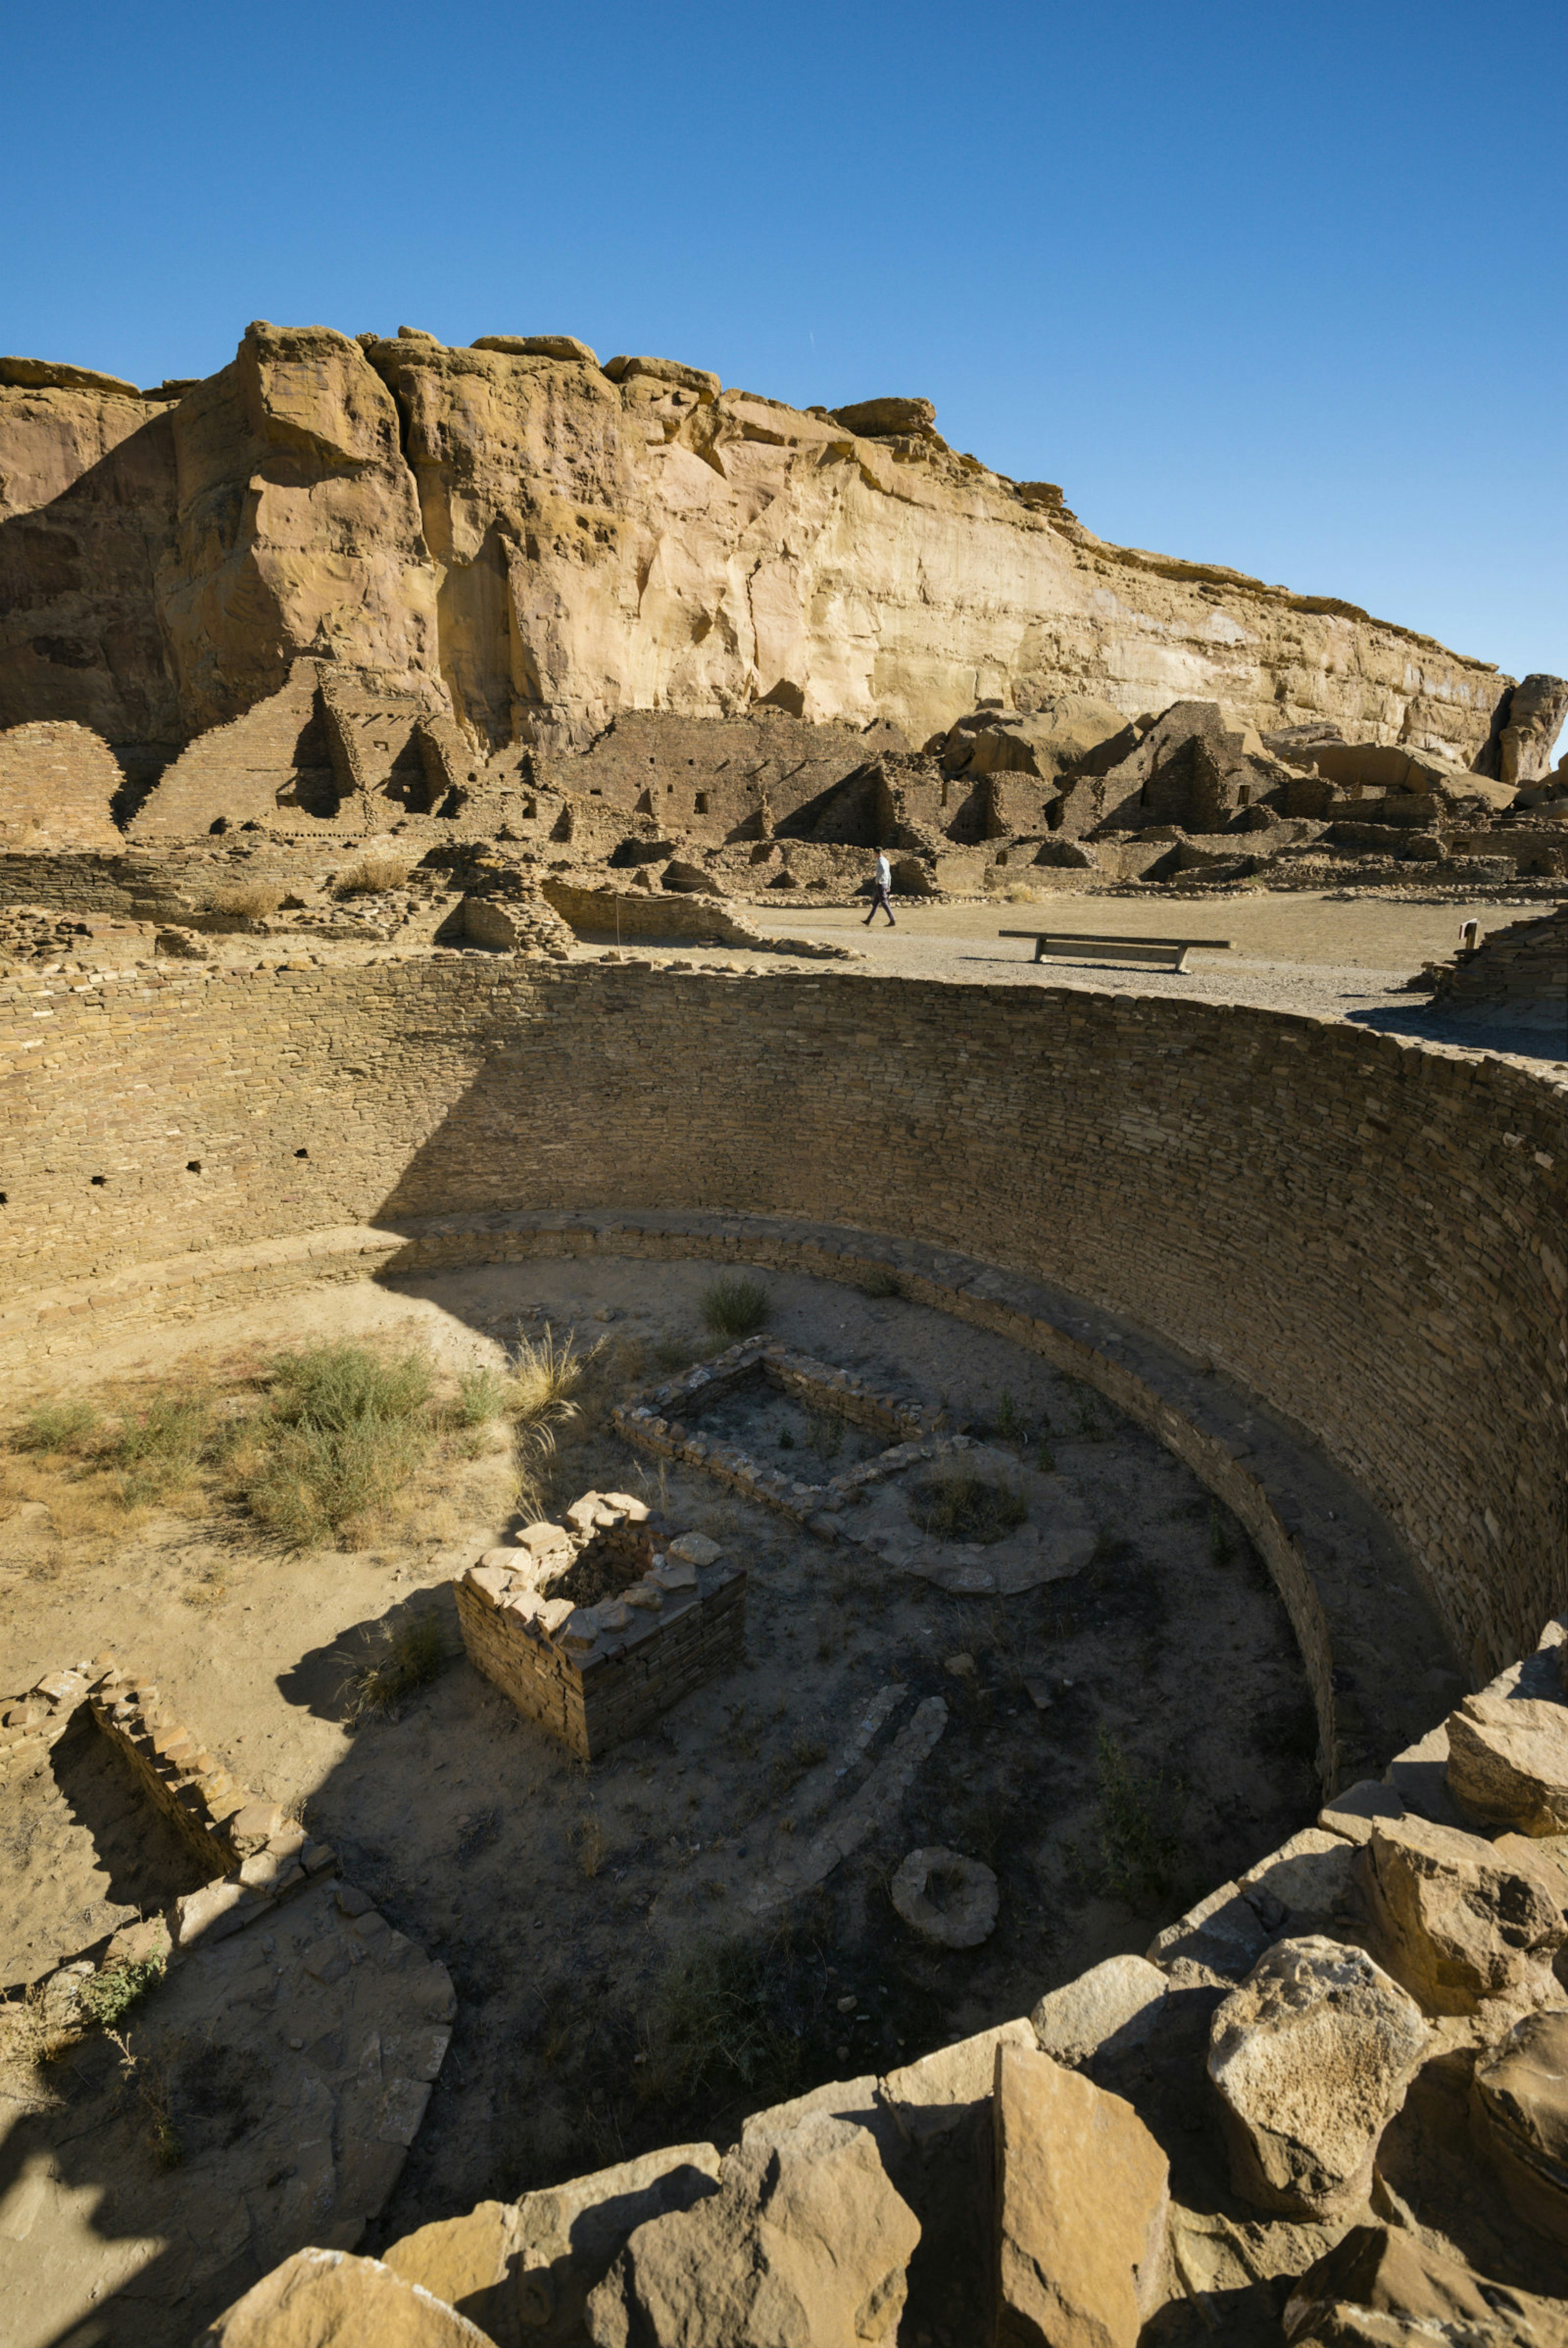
<point>594,1675</point>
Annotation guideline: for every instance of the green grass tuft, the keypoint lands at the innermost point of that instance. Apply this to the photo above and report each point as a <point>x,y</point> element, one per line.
<point>344,1430</point>
<point>57,1426</point>
<point>732,1307</point>
<point>1138,1848</point>
<point>967,1509</point>
<point>482,1397</point>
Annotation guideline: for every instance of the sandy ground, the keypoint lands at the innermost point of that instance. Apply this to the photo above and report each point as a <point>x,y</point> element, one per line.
<point>564,1899</point>
<point>1331,957</point>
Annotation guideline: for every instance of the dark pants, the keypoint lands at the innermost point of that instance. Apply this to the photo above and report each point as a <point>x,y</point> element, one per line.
<point>880,897</point>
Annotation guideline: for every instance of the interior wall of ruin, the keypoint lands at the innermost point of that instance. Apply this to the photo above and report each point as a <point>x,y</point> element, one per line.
<point>1364,1231</point>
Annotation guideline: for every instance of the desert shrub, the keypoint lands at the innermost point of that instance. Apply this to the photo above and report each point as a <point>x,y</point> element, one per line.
<point>1138,1848</point>
<point>341,1385</point>
<point>398,1659</point>
<point>882,1281</point>
<point>160,1448</point>
<point>714,2024</point>
<point>735,1307</point>
<point>827,1435</point>
<point>313,1481</point>
<point>64,1426</point>
<point>967,1509</point>
<point>373,875</point>
<point>343,1430</point>
<point>482,1397</point>
<point>110,1995</point>
<point>249,901</point>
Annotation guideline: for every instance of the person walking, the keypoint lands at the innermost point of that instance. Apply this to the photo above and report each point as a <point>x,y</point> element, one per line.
<point>882,893</point>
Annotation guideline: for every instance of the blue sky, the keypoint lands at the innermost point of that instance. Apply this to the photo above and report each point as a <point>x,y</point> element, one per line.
<point>1283,289</point>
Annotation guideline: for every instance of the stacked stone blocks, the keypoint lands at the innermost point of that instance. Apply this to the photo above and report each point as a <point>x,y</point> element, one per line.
<point>594,1675</point>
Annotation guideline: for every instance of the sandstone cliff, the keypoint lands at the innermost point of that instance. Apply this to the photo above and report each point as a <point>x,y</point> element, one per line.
<point>534,542</point>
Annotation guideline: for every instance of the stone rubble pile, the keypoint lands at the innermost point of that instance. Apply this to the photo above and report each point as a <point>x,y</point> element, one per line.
<point>1310,2012</point>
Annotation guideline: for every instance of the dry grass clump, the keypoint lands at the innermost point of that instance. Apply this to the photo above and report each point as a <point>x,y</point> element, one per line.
<point>541,1394</point>
<point>373,875</point>
<point>545,1377</point>
<point>98,1467</point>
<point>734,1307</point>
<point>716,2023</point>
<point>399,1659</point>
<point>967,1509</point>
<point>319,1438</point>
<point>249,901</point>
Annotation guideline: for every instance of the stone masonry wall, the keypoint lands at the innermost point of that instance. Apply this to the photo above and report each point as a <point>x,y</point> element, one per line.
<point>633,1674</point>
<point>1521,967</point>
<point>1367,1231</point>
<point>57,785</point>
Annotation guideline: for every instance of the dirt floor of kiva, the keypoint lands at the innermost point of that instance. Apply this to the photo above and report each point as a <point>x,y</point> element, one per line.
<point>1115,1742</point>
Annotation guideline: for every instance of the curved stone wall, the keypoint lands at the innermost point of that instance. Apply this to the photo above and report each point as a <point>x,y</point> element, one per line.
<point>1366,1233</point>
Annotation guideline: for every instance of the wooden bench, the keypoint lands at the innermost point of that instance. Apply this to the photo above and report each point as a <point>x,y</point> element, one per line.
<point>1073,945</point>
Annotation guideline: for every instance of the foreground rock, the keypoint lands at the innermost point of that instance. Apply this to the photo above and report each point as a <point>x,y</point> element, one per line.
<point>1082,2198</point>
<point>1521,2110</point>
<point>805,2245</point>
<point>1112,2006</point>
<point>1312,2057</point>
<point>325,2299</point>
<point>1386,2286</point>
<point>1508,1761</point>
<point>1456,1924</point>
<point>522,2270</point>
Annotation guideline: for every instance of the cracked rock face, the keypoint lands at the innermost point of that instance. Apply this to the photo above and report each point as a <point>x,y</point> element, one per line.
<point>1508,1761</point>
<point>542,545</point>
<point>805,2245</point>
<point>1521,2110</point>
<point>1082,2196</point>
<point>1383,2288</point>
<point>1312,2057</point>
<point>1456,1922</point>
<point>326,2298</point>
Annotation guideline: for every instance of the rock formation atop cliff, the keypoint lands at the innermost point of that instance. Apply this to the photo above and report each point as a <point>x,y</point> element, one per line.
<point>514,539</point>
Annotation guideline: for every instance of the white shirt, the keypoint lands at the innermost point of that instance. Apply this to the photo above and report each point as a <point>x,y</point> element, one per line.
<point>884,873</point>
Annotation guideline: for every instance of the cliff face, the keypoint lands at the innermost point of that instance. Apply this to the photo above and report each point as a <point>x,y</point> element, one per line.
<point>86,517</point>
<point>543,546</point>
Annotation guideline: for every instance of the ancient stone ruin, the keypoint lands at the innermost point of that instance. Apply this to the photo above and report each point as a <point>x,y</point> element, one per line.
<point>988,1763</point>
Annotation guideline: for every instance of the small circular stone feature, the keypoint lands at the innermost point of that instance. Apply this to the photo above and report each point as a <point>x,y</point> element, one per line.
<point>946,1897</point>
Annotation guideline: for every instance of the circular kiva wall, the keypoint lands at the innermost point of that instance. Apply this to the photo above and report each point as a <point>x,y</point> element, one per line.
<point>1369,1234</point>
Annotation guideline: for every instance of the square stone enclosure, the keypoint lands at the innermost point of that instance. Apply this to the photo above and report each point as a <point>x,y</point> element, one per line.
<point>867,1504</point>
<point>595,1674</point>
